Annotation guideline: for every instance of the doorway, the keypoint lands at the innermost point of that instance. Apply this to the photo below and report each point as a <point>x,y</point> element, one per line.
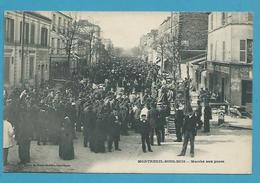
<point>222,89</point>
<point>42,74</point>
<point>246,92</point>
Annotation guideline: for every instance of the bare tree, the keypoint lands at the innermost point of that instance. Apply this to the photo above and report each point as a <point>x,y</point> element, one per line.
<point>89,36</point>
<point>71,39</point>
<point>168,48</point>
<point>172,53</point>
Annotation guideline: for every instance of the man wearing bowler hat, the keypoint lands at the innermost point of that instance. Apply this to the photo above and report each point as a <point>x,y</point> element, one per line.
<point>189,131</point>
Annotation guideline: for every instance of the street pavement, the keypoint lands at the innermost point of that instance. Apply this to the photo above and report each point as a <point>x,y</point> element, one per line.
<point>236,122</point>
<point>224,150</point>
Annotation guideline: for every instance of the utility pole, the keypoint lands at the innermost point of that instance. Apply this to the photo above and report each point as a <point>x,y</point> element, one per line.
<point>50,69</point>
<point>173,51</point>
<point>22,52</point>
<point>179,45</point>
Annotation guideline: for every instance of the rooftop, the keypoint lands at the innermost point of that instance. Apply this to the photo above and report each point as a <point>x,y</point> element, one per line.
<point>37,15</point>
<point>64,14</point>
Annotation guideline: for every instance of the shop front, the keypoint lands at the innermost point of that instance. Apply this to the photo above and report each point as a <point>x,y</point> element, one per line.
<point>231,82</point>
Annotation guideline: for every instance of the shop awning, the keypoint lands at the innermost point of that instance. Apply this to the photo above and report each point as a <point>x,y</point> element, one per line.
<point>198,61</point>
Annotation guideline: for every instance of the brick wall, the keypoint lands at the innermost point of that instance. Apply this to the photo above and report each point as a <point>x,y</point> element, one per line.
<point>194,29</point>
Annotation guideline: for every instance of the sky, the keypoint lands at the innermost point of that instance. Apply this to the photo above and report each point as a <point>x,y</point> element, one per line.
<point>125,28</point>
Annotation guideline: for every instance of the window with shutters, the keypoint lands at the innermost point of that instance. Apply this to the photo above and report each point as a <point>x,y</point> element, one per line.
<point>249,50</point>
<point>9,30</point>
<point>246,51</point>
<point>59,25</point>
<point>26,33</point>
<point>44,36</point>
<point>58,46</point>
<point>242,50</point>
<point>211,51</point>
<point>7,70</point>
<point>31,67</point>
<point>223,50</point>
<point>21,31</point>
<point>54,22</point>
<point>64,26</point>
<point>52,45</point>
<point>32,34</point>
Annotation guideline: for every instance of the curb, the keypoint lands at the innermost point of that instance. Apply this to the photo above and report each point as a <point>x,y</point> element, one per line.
<point>238,127</point>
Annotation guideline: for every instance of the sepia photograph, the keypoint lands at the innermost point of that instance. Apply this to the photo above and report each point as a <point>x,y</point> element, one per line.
<point>127,92</point>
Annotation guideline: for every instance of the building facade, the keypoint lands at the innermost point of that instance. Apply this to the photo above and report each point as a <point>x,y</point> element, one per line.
<point>89,42</point>
<point>26,49</point>
<point>108,44</point>
<point>230,57</point>
<point>61,30</point>
<point>184,36</point>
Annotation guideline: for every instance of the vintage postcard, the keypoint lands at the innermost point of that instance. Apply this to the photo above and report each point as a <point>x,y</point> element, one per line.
<point>128,92</point>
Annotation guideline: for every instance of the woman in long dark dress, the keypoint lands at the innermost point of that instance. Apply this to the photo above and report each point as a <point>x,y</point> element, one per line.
<point>66,148</point>
<point>100,137</point>
<point>101,130</point>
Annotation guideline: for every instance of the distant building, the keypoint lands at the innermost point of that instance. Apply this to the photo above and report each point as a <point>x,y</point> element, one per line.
<point>186,37</point>
<point>26,49</point>
<point>89,42</point>
<point>107,43</point>
<point>230,57</point>
<point>147,46</point>
<point>61,30</point>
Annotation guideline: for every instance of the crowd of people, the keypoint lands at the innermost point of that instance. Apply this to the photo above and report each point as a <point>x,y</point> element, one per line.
<point>117,98</point>
<point>125,72</point>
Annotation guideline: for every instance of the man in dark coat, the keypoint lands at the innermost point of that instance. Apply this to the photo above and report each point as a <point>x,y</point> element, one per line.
<point>153,119</point>
<point>124,112</point>
<point>42,129</point>
<point>101,131</point>
<point>179,123</point>
<point>189,131</point>
<point>114,131</point>
<point>53,126</point>
<point>199,113</point>
<point>89,126</point>
<point>144,128</point>
<point>162,122</point>
<point>207,117</point>
<point>24,134</point>
<point>34,112</point>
